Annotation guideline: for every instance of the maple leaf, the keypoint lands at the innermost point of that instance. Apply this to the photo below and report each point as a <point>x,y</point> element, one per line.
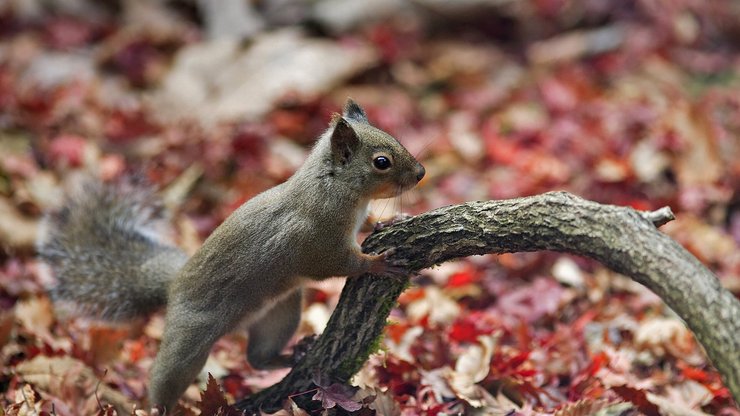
<point>335,394</point>
<point>213,402</point>
<point>638,398</point>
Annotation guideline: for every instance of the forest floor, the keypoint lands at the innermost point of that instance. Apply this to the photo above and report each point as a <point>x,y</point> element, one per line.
<point>635,105</point>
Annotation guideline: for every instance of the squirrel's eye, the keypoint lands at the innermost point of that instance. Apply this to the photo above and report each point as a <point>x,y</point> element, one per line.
<point>381,163</point>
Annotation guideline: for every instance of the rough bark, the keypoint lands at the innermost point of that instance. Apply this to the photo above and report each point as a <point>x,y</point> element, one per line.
<point>625,240</point>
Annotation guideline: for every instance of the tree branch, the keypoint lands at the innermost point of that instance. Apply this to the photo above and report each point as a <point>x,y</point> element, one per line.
<point>621,238</point>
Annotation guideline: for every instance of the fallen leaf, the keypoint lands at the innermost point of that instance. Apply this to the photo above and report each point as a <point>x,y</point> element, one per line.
<point>439,307</point>
<point>337,394</point>
<point>664,335</point>
<point>213,402</point>
<point>60,374</point>
<point>16,230</point>
<point>639,398</point>
<point>251,81</point>
<point>35,314</point>
<point>471,367</point>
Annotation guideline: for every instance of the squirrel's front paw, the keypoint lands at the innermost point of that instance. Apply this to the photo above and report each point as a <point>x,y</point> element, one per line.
<point>300,349</point>
<point>386,263</point>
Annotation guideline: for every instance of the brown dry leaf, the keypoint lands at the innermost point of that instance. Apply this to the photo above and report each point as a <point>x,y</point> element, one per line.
<point>436,382</point>
<point>294,410</point>
<point>698,161</point>
<point>250,81</point>
<point>35,314</point>
<point>609,169</point>
<point>155,327</point>
<point>664,335</point>
<point>709,243</point>
<point>106,343</point>
<point>402,348</point>
<point>7,319</point>
<point>16,230</point>
<point>567,272</point>
<point>384,404</point>
<point>27,402</point>
<point>619,372</point>
<point>440,308</point>
<point>315,317</point>
<point>464,61</point>
<point>670,408</point>
<point>57,374</point>
<point>284,157</point>
<point>683,399</point>
<point>647,161</point>
<point>577,44</point>
<point>468,142</point>
<point>525,117</point>
<point>471,367</point>
<point>367,378</point>
<point>177,191</point>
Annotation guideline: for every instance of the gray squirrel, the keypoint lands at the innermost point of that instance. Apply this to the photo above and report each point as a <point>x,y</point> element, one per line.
<point>107,257</point>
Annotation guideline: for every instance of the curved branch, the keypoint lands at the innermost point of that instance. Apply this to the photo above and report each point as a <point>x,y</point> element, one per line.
<point>621,238</point>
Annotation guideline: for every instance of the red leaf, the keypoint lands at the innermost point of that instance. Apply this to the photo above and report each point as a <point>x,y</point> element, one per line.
<point>401,376</point>
<point>136,351</point>
<point>639,204</point>
<point>462,278</point>
<point>67,150</point>
<point>121,126</point>
<point>597,362</point>
<point>695,374</point>
<point>213,402</point>
<point>396,331</point>
<point>464,331</point>
<point>525,373</point>
<point>518,359</point>
<point>638,398</point>
<point>414,293</point>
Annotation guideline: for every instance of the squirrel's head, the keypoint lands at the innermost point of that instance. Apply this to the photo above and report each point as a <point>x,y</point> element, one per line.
<point>373,159</point>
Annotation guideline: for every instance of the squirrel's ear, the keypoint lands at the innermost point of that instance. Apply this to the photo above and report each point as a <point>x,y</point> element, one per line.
<point>344,142</point>
<point>353,111</point>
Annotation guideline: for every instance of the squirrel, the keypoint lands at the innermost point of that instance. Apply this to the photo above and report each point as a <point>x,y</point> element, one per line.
<point>107,257</point>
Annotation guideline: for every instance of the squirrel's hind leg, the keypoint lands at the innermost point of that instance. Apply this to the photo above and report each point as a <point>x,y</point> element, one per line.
<point>186,342</point>
<point>271,332</point>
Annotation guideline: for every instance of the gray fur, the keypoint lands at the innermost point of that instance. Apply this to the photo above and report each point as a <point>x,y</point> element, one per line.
<point>102,250</point>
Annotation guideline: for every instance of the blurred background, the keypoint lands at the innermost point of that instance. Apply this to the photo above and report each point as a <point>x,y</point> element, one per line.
<point>631,102</point>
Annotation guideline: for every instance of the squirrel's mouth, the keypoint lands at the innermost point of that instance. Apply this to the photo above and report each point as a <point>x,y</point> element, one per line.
<point>391,190</point>
<point>387,190</point>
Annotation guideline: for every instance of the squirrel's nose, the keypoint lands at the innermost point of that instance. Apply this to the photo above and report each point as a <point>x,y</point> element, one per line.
<point>420,171</point>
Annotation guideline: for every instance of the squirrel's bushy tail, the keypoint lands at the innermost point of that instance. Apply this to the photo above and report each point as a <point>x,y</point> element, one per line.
<point>105,251</point>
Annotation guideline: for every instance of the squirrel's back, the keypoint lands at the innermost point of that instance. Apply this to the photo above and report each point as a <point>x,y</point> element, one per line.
<point>105,251</point>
